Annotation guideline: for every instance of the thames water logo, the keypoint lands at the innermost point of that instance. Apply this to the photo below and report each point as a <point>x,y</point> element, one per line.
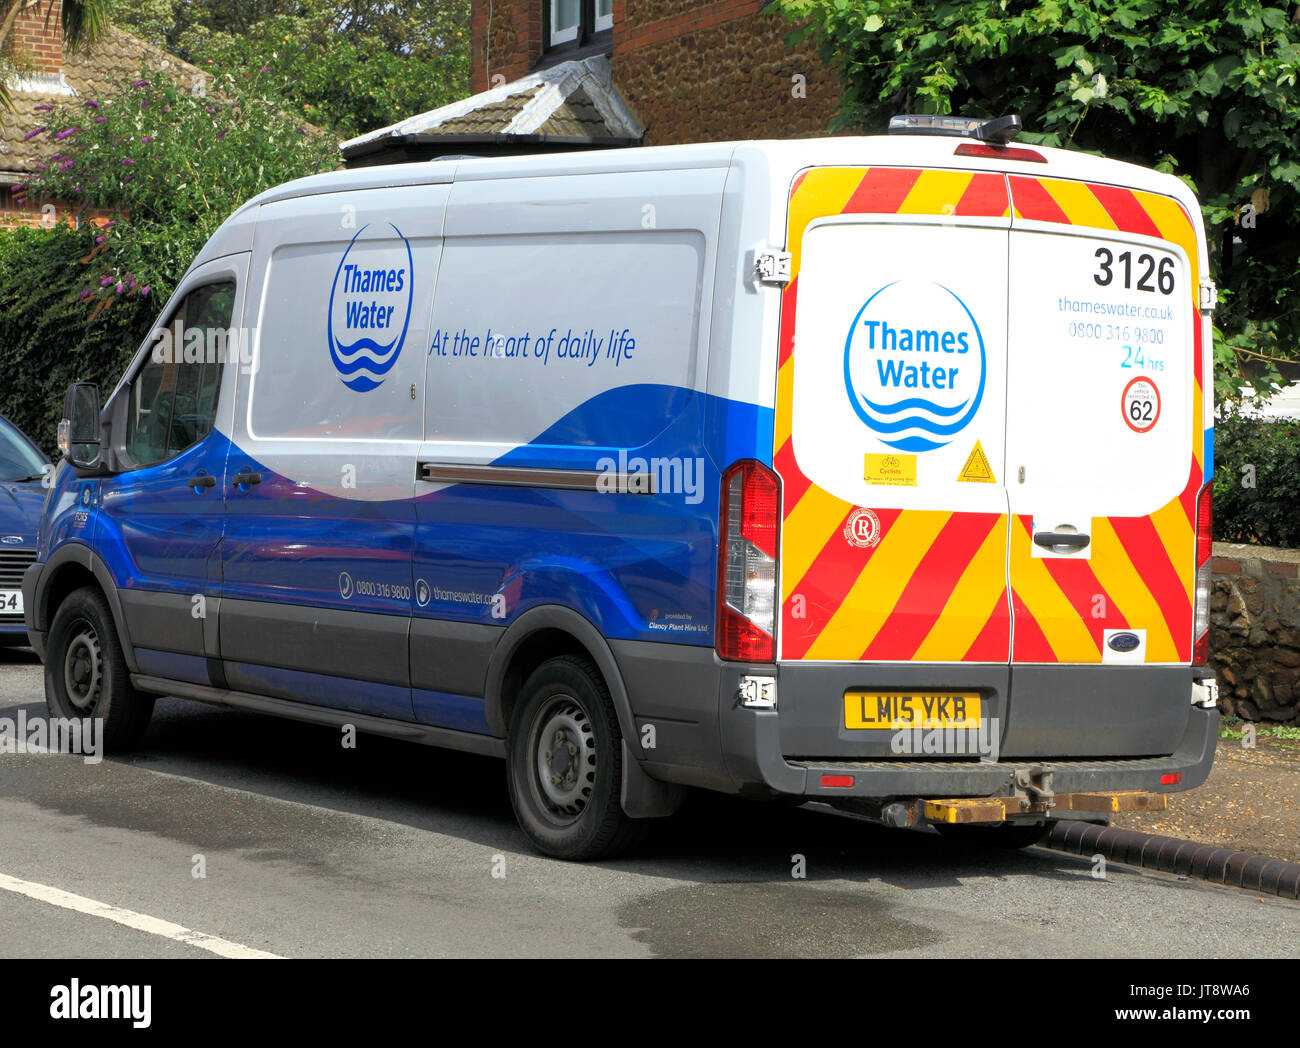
<point>914,365</point>
<point>370,310</point>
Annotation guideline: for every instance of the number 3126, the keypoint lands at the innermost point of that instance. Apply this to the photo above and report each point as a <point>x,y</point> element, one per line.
<point>1164,274</point>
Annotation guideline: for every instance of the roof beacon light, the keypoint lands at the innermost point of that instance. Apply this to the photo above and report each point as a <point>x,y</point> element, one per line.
<point>998,131</point>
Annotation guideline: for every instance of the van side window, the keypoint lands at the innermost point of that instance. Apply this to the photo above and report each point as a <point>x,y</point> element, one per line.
<point>173,398</point>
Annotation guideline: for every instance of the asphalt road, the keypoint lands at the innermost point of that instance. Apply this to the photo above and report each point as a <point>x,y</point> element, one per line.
<point>308,849</point>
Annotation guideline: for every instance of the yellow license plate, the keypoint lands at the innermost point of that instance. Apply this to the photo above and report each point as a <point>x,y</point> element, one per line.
<point>911,710</point>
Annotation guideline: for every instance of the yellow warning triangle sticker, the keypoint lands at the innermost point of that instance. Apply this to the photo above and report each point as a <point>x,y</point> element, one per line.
<point>977,469</point>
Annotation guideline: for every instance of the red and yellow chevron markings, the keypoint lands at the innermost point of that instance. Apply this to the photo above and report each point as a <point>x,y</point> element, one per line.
<point>934,587</point>
<point>1141,568</point>
<point>1126,211</point>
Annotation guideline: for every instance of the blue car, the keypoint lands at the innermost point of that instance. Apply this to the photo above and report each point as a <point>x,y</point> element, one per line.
<point>22,468</point>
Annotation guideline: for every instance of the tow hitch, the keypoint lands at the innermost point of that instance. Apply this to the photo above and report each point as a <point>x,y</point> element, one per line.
<point>1030,799</point>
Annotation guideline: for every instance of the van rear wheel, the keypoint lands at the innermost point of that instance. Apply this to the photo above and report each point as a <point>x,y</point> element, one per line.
<point>564,763</point>
<point>86,676</point>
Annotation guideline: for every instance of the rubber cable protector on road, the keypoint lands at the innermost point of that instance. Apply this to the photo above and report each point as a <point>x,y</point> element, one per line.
<point>1187,858</point>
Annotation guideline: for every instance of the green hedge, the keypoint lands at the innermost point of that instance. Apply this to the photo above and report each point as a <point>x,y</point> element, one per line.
<point>1257,480</point>
<point>47,335</point>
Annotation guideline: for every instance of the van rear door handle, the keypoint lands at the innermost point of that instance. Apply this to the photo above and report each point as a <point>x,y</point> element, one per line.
<point>1062,541</point>
<point>203,480</point>
<point>243,480</point>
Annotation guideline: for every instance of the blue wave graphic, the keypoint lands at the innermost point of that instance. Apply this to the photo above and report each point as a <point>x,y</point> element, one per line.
<point>365,354</point>
<point>914,422</point>
<point>381,363</point>
<point>913,402</point>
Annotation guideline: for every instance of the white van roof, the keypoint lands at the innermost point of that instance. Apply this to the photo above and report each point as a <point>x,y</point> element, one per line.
<point>778,160</point>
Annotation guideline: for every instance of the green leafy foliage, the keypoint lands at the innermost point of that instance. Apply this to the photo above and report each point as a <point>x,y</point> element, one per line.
<point>1205,89</point>
<point>172,166</point>
<point>47,336</point>
<point>1256,490</point>
<point>174,161</point>
<point>349,68</point>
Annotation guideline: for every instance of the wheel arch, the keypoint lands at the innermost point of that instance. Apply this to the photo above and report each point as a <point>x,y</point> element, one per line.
<point>69,568</point>
<point>541,633</point>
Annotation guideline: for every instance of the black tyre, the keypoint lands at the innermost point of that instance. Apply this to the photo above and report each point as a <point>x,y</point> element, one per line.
<point>86,676</point>
<point>1007,835</point>
<point>564,764</point>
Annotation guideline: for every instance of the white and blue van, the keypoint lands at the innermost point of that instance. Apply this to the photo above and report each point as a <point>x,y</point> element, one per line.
<point>872,471</point>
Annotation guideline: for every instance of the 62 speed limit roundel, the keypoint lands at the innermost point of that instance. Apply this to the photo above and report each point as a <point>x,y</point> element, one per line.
<point>914,365</point>
<point>1141,405</point>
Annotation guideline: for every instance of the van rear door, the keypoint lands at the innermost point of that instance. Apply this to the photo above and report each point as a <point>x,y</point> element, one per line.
<point>890,423</point>
<point>1104,462</point>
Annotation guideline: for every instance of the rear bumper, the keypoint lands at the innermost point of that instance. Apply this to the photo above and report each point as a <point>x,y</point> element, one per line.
<point>752,750</point>
<point>1095,728</point>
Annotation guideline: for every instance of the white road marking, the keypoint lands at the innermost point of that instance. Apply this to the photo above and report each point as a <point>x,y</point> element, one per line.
<point>139,921</point>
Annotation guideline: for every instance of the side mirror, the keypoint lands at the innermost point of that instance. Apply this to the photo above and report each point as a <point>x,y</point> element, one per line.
<point>80,436</point>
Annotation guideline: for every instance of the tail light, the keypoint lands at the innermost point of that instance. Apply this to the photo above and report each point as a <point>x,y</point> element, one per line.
<point>747,560</point>
<point>1000,152</point>
<point>1204,577</point>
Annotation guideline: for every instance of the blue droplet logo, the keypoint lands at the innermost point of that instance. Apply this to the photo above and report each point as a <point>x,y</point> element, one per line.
<point>915,365</point>
<point>370,309</point>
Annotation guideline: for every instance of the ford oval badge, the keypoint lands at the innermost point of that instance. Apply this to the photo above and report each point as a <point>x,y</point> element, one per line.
<point>1123,642</point>
<point>12,540</point>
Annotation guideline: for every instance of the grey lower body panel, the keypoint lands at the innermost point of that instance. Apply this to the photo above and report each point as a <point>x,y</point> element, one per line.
<point>301,711</point>
<point>1096,711</point>
<point>166,620</point>
<point>451,656</point>
<point>351,644</point>
<point>35,632</point>
<point>673,690</point>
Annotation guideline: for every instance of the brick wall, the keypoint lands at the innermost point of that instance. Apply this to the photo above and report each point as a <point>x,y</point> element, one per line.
<point>17,210</point>
<point>716,71</point>
<point>693,72</point>
<point>509,46</point>
<point>1255,631</point>
<point>38,36</point>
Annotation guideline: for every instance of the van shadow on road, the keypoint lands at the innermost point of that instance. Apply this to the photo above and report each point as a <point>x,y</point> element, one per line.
<point>715,838</point>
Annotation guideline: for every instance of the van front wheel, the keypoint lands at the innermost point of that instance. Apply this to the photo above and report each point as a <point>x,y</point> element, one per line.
<point>86,676</point>
<point>564,763</point>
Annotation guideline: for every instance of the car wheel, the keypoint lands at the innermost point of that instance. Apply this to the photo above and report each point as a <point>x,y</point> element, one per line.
<point>86,675</point>
<point>564,764</point>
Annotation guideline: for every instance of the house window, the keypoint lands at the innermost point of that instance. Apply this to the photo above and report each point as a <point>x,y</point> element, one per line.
<point>565,21</point>
<point>575,22</point>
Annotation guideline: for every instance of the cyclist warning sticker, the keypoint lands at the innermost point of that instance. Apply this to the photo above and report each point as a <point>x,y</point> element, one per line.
<point>893,470</point>
<point>977,469</point>
<point>1141,405</point>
